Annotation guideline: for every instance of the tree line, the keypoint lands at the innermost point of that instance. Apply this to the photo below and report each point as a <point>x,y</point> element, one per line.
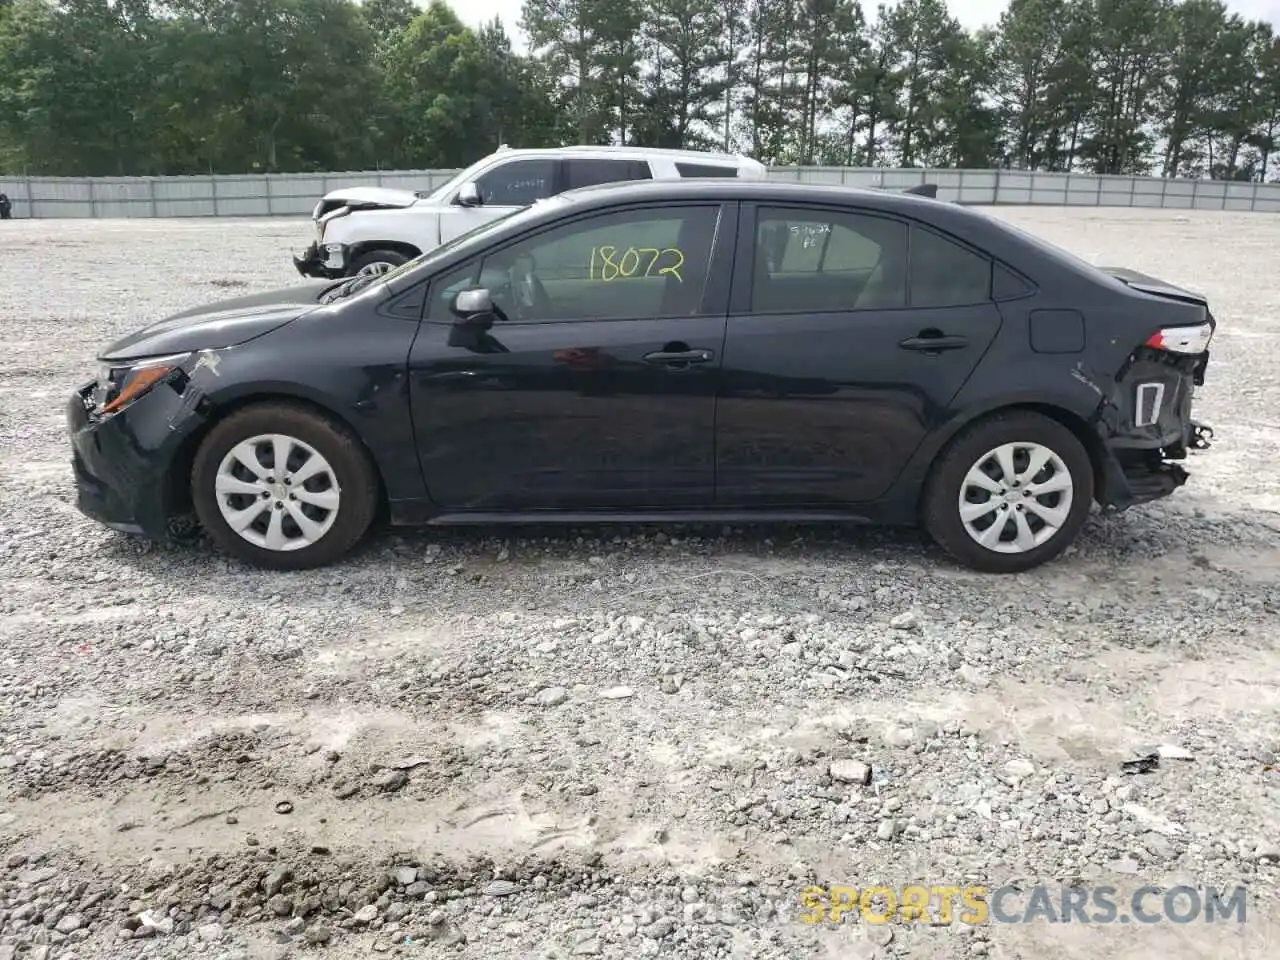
<point>155,87</point>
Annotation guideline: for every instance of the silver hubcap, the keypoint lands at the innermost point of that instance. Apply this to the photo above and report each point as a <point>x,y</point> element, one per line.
<point>1016,497</point>
<point>277,492</point>
<point>374,269</point>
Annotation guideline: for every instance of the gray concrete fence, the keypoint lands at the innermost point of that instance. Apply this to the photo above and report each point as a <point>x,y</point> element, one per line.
<point>295,194</point>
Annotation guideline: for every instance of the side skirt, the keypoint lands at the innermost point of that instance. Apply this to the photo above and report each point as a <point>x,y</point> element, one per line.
<point>420,513</point>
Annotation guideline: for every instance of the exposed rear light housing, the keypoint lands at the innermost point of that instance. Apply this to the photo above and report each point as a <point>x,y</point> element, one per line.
<point>1191,341</point>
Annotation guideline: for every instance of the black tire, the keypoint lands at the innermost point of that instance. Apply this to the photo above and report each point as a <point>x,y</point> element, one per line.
<point>357,483</point>
<point>941,509</point>
<point>392,257</point>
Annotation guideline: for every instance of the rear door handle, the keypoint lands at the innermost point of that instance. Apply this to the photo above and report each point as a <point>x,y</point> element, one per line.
<point>678,358</point>
<point>934,343</point>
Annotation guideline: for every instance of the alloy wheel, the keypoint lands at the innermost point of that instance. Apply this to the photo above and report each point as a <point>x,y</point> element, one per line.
<point>1016,497</point>
<point>277,492</point>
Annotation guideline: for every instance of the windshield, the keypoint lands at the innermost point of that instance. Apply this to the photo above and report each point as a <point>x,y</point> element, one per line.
<point>454,181</point>
<point>449,245</point>
<point>366,283</point>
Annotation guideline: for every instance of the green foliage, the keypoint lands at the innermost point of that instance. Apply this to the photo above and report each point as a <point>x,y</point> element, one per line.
<point>125,87</point>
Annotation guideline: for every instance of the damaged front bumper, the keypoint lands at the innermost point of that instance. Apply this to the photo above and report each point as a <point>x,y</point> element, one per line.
<point>324,261</point>
<point>122,463</point>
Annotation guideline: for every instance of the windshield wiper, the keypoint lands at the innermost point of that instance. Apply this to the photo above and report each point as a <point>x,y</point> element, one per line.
<point>348,287</point>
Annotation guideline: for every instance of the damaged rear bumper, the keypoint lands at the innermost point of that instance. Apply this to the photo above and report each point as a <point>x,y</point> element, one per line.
<point>1147,430</point>
<point>1134,477</point>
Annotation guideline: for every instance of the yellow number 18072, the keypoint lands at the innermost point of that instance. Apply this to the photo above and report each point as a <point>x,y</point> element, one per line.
<point>611,266</point>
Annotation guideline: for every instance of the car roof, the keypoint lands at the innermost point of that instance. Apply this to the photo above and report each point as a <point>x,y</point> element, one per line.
<point>989,234</point>
<point>995,236</point>
<point>732,188</point>
<point>692,156</point>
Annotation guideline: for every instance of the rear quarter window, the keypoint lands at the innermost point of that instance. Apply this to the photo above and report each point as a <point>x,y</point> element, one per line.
<point>705,170</point>
<point>943,273</point>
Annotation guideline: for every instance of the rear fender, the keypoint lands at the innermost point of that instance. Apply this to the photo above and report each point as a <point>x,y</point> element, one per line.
<point>1068,409</point>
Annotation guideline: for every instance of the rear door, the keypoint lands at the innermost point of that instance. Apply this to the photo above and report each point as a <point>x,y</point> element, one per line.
<point>848,336</point>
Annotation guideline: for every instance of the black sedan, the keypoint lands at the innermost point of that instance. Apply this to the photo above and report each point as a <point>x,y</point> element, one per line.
<point>676,351</point>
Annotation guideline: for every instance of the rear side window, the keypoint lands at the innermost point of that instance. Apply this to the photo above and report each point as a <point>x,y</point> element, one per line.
<point>518,183</point>
<point>945,274</point>
<point>814,261</point>
<point>592,172</point>
<point>704,170</point>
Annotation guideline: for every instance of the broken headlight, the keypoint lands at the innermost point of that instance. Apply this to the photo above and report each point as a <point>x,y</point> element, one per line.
<point>119,383</point>
<point>323,220</point>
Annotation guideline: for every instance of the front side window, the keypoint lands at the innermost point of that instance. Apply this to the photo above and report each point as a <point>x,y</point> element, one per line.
<point>517,183</point>
<point>817,261</point>
<point>632,264</point>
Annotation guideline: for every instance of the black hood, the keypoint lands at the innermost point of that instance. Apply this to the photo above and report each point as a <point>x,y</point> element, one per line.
<point>222,324</point>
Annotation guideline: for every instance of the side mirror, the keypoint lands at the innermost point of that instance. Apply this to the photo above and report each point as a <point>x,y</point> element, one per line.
<point>474,308</point>
<point>469,195</point>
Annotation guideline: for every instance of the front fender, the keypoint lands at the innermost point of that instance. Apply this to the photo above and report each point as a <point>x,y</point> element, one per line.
<point>357,373</point>
<point>417,228</point>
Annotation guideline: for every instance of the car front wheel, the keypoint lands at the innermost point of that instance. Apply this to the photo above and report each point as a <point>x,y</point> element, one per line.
<point>1010,493</point>
<point>283,487</point>
<point>377,262</point>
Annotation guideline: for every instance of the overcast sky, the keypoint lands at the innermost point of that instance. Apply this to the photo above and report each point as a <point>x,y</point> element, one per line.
<point>972,13</point>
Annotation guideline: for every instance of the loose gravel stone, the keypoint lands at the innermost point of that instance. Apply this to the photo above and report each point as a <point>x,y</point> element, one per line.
<point>404,876</point>
<point>390,780</point>
<point>552,696</point>
<point>850,771</point>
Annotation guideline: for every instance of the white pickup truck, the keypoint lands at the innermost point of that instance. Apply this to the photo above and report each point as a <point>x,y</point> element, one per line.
<point>369,230</point>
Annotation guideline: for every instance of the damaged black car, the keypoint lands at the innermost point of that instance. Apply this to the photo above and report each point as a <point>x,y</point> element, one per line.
<point>707,350</point>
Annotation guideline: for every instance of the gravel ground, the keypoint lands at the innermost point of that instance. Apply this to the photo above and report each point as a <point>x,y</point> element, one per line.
<point>623,742</point>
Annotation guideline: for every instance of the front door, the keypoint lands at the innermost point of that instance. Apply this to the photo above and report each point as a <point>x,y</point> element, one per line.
<point>595,388</point>
<point>843,350</point>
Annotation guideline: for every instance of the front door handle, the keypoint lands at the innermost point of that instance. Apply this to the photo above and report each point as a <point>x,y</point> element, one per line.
<point>931,341</point>
<point>678,358</point>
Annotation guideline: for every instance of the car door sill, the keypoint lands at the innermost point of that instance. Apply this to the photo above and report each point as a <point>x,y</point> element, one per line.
<point>647,516</point>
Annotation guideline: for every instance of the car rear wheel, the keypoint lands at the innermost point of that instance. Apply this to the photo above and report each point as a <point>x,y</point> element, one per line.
<point>1009,493</point>
<point>283,487</point>
<point>376,262</point>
